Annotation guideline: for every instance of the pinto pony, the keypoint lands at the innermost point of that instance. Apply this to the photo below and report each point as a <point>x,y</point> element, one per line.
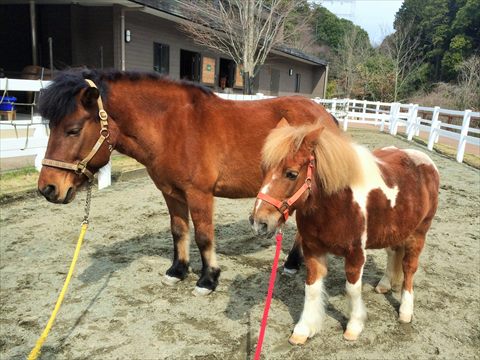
<point>347,200</point>
<point>193,144</point>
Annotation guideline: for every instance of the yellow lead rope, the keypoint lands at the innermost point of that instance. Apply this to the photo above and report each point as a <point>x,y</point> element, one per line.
<point>36,350</point>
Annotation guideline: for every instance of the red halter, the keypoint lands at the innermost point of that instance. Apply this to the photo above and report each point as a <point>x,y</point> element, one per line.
<point>284,206</point>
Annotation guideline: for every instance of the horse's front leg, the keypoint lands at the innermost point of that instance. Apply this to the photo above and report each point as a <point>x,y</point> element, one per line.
<point>314,308</point>
<point>201,210</point>
<point>354,263</point>
<point>181,240</point>
<point>294,258</point>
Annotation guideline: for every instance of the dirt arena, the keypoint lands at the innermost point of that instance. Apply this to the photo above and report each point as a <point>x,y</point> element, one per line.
<point>118,308</point>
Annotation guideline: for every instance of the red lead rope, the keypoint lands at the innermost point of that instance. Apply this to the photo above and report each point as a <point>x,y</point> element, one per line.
<point>271,285</point>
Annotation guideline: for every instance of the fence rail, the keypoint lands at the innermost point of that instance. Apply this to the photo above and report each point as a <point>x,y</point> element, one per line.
<point>27,135</point>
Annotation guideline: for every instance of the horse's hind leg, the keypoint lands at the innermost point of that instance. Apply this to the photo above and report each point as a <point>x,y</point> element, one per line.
<point>181,240</point>
<point>393,277</point>
<point>201,210</point>
<point>294,258</point>
<point>413,248</point>
<point>358,314</point>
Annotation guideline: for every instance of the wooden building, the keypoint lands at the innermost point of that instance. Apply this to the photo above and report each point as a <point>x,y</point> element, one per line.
<point>138,35</point>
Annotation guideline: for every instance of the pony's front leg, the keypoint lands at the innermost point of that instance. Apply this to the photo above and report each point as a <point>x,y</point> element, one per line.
<point>201,210</point>
<point>358,314</point>
<point>181,240</point>
<point>314,308</point>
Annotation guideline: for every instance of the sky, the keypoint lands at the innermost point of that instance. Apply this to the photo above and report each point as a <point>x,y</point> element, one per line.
<point>375,16</point>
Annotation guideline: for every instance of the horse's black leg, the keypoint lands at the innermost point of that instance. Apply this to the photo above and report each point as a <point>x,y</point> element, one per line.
<point>181,241</point>
<point>294,258</point>
<point>201,210</point>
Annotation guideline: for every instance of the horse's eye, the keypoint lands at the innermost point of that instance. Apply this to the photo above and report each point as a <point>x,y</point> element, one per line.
<point>74,132</point>
<point>291,175</point>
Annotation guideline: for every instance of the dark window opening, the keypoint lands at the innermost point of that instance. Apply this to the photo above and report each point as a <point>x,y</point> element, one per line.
<point>161,58</point>
<point>190,63</point>
<point>297,83</point>
<point>227,74</point>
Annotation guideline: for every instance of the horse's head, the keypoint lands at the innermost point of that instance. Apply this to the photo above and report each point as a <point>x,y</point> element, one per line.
<point>288,160</point>
<point>76,148</point>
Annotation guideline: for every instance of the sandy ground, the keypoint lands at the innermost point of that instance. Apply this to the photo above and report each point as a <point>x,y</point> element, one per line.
<point>117,307</point>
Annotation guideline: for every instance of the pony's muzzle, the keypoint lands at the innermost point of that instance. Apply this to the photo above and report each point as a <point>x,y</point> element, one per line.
<point>262,227</point>
<point>51,193</point>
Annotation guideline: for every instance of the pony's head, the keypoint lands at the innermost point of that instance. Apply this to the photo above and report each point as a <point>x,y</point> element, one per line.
<point>71,105</point>
<point>298,161</point>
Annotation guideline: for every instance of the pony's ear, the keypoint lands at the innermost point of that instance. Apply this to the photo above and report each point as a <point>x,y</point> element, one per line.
<point>282,123</point>
<point>90,96</point>
<point>311,139</point>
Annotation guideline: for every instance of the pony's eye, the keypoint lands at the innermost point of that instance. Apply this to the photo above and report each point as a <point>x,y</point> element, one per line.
<point>291,175</point>
<point>74,132</point>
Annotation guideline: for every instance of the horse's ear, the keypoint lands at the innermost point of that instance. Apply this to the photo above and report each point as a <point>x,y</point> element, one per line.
<point>311,139</point>
<point>282,123</point>
<point>90,96</point>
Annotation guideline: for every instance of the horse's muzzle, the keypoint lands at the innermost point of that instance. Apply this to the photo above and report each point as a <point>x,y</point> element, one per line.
<point>51,193</point>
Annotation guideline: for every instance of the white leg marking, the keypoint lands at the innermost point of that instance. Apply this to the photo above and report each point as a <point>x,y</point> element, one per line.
<point>198,291</point>
<point>313,310</point>
<point>406,307</point>
<point>358,312</point>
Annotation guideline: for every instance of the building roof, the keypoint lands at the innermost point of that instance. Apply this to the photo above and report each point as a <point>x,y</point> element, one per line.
<point>174,8</point>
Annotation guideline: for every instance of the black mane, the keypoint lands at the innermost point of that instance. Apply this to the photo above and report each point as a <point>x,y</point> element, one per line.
<point>58,99</point>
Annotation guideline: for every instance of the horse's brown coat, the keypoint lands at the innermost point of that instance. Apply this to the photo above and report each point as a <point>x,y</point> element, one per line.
<point>193,144</point>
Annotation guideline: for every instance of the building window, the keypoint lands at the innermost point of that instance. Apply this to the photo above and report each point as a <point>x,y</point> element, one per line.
<point>161,55</point>
<point>297,82</point>
<point>190,65</point>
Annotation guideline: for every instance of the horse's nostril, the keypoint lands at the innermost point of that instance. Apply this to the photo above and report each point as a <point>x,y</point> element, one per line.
<point>263,227</point>
<point>48,191</point>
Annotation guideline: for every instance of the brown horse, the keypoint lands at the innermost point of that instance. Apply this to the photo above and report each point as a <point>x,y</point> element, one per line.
<point>347,200</point>
<point>193,144</point>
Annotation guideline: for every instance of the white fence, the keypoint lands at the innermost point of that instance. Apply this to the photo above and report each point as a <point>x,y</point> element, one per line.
<point>28,134</point>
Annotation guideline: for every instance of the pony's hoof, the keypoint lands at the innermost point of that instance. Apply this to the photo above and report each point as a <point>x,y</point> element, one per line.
<point>170,280</point>
<point>198,291</point>
<point>405,318</point>
<point>382,289</point>
<point>297,339</point>
<point>350,335</point>
<point>288,271</point>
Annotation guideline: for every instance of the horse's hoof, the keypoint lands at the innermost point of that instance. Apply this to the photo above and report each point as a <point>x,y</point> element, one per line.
<point>288,271</point>
<point>170,280</point>
<point>297,339</point>
<point>350,335</point>
<point>405,318</point>
<point>198,291</point>
<point>381,289</point>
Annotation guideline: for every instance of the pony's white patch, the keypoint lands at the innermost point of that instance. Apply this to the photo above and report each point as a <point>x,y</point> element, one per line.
<point>391,147</point>
<point>263,190</point>
<point>371,179</point>
<point>406,306</point>
<point>358,312</point>
<point>313,310</point>
<point>420,158</point>
<point>288,271</point>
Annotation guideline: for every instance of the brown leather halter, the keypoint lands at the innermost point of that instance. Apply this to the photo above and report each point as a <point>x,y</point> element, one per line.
<point>284,206</point>
<point>81,167</point>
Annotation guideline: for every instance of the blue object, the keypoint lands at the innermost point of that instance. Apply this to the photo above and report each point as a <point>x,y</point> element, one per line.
<point>8,103</point>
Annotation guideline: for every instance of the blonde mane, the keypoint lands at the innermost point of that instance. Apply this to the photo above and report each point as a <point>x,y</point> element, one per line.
<point>337,164</point>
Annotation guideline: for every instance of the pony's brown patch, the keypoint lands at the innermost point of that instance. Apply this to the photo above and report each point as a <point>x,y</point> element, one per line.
<point>337,163</point>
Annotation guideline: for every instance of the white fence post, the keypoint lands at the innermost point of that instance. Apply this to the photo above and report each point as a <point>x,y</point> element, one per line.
<point>412,120</point>
<point>334,106</point>
<point>377,111</point>
<point>394,110</point>
<point>463,135</point>
<point>364,109</point>
<point>433,128</point>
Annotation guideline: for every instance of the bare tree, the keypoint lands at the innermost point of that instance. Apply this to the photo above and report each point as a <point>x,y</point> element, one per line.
<point>468,94</point>
<point>245,30</point>
<point>402,47</point>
